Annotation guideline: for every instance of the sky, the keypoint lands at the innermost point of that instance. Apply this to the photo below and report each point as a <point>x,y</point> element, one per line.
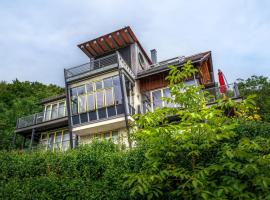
<point>38,39</point>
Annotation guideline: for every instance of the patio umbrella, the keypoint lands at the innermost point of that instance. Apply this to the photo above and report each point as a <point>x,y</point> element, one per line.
<point>222,85</point>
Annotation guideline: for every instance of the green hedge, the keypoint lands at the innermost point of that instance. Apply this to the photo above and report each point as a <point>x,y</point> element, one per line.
<point>89,172</point>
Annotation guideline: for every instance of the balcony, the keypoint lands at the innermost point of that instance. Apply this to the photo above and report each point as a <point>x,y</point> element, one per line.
<point>42,117</point>
<point>110,62</point>
<point>220,92</point>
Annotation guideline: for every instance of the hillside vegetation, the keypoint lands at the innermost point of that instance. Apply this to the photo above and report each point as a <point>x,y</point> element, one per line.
<point>221,152</point>
<point>19,99</point>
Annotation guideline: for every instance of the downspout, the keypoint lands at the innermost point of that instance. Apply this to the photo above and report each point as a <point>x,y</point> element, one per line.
<point>68,111</point>
<point>124,99</point>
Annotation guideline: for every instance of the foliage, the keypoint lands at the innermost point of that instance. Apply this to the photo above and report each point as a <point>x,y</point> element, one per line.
<point>205,153</point>
<point>259,86</point>
<point>18,99</point>
<point>89,172</point>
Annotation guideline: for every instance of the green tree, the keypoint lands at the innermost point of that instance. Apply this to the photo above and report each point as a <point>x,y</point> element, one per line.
<point>259,86</point>
<point>18,99</point>
<point>194,151</point>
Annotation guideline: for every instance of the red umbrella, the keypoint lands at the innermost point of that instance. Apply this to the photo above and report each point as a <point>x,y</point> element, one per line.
<point>222,86</point>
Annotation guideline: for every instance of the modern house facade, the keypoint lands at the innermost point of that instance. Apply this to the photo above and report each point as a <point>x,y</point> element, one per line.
<point>102,95</point>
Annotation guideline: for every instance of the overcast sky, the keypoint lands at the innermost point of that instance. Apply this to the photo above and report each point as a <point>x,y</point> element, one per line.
<point>38,38</point>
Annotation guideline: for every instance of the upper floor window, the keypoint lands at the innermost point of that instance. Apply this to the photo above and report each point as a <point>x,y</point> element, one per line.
<point>96,95</point>
<point>54,110</point>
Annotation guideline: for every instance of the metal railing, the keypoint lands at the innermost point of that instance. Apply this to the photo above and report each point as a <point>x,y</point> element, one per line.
<point>220,92</point>
<point>92,65</point>
<point>41,117</point>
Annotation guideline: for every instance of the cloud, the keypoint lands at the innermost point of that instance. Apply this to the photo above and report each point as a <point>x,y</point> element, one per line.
<point>38,38</point>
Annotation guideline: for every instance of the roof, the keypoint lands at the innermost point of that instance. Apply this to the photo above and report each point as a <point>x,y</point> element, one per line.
<point>111,42</point>
<point>53,98</point>
<point>177,61</point>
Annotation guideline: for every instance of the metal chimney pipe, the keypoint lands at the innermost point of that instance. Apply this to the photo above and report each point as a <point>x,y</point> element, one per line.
<point>154,56</point>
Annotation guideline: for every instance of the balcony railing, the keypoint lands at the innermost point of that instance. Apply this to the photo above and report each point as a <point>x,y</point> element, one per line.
<point>220,92</point>
<point>113,60</point>
<point>41,117</point>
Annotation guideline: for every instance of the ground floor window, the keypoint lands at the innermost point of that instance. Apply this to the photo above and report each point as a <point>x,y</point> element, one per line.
<point>56,140</point>
<point>109,135</point>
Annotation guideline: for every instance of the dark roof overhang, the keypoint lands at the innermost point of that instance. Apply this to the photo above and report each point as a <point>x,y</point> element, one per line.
<point>110,42</point>
<point>177,61</point>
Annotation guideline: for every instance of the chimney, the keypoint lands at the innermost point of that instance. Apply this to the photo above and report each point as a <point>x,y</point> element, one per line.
<point>154,56</point>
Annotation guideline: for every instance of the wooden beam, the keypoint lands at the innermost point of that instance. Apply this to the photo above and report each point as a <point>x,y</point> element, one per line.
<point>125,37</point>
<point>86,51</point>
<point>96,44</point>
<point>121,38</point>
<point>115,46</point>
<point>103,45</point>
<point>109,42</point>
<point>92,51</point>
<point>129,36</point>
<point>98,50</point>
<point>119,43</point>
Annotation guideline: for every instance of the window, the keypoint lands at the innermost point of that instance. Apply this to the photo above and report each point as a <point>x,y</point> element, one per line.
<point>89,87</point>
<point>56,140</point>
<point>74,105</point>
<point>81,90</point>
<point>146,99</point>
<point>100,99</point>
<point>61,109</point>
<point>47,112</point>
<point>91,102</point>
<point>54,111</point>
<point>99,85</point>
<point>167,93</point>
<point>109,97</point>
<point>157,102</point>
<point>107,136</point>
<point>108,82</point>
<point>82,103</point>
<point>117,90</point>
<point>65,141</point>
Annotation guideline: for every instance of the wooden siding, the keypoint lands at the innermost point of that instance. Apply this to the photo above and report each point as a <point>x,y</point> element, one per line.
<point>204,73</point>
<point>153,82</point>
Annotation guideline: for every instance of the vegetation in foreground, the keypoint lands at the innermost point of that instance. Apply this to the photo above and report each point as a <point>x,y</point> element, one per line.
<point>221,152</point>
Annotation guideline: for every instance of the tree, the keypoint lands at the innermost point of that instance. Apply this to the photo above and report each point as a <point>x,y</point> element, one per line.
<point>198,154</point>
<point>259,86</point>
<point>18,99</point>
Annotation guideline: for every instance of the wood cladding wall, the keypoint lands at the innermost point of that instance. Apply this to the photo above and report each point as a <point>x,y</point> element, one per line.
<point>153,82</point>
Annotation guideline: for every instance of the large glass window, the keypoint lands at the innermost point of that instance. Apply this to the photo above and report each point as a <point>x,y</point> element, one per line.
<point>89,87</point>
<point>74,105</point>
<point>81,90</point>
<point>157,102</point>
<point>117,90</point>
<point>82,103</point>
<point>99,85</point>
<point>48,112</point>
<point>58,140</point>
<point>108,82</point>
<point>61,109</point>
<point>65,141</point>
<point>95,96</point>
<point>54,111</point>
<point>109,97</point>
<point>167,93</point>
<point>146,99</point>
<point>100,99</point>
<point>91,101</point>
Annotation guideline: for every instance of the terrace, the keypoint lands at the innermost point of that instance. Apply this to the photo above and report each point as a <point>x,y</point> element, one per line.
<point>107,63</point>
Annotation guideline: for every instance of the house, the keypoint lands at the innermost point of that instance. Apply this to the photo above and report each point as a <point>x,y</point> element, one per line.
<point>102,95</point>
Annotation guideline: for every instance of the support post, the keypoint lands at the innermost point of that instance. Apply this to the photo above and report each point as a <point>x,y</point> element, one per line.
<point>32,139</point>
<point>125,102</point>
<point>68,111</point>
<point>14,139</point>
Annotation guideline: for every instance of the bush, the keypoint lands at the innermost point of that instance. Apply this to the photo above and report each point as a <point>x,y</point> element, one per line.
<point>89,172</point>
